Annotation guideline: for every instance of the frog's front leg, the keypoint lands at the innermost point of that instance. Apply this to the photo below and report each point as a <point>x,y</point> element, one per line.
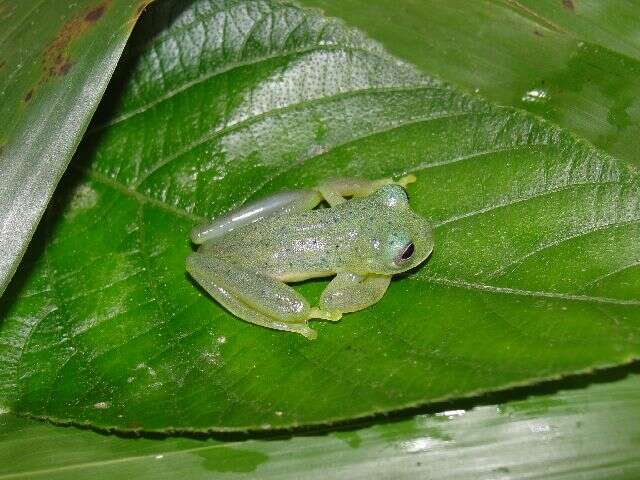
<point>348,292</point>
<point>334,191</point>
<point>255,297</point>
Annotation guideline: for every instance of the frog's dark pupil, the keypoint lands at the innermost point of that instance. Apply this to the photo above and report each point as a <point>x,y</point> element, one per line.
<point>408,251</point>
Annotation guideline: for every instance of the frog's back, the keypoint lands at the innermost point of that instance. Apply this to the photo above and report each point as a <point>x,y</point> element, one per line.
<point>292,246</point>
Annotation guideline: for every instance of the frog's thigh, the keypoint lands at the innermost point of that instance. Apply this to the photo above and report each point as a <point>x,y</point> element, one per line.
<point>283,202</point>
<point>349,292</point>
<point>252,296</point>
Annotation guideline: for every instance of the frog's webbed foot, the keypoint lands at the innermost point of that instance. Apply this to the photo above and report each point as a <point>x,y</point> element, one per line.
<point>334,191</point>
<point>252,296</point>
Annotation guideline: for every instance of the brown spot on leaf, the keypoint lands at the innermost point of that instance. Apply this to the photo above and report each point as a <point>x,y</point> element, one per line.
<point>64,67</point>
<point>537,33</point>
<point>28,96</point>
<point>55,58</point>
<point>95,14</point>
<point>568,4</point>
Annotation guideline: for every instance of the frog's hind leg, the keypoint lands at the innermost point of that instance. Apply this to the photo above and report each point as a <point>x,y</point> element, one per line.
<point>334,191</point>
<point>243,311</point>
<point>281,203</point>
<point>252,296</point>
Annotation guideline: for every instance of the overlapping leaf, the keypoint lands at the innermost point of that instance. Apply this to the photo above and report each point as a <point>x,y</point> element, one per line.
<point>534,274</point>
<point>551,435</point>
<point>56,60</point>
<point>574,62</point>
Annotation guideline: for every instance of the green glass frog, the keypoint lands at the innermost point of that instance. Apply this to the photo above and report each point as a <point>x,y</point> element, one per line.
<point>245,258</point>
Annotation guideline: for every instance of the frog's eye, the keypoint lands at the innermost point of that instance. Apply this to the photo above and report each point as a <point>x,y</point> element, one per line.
<point>405,254</point>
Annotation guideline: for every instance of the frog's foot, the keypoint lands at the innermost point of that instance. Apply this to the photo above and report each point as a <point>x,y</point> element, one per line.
<point>302,329</point>
<point>320,314</point>
<point>406,180</point>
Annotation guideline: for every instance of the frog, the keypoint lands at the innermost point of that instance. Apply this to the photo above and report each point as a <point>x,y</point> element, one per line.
<point>360,232</point>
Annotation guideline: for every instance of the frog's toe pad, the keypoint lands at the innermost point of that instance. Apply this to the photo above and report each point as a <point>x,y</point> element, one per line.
<point>305,331</point>
<point>406,180</point>
<point>325,315</point>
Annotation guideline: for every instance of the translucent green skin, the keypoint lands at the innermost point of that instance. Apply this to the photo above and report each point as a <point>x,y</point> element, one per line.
<point>243,261</point>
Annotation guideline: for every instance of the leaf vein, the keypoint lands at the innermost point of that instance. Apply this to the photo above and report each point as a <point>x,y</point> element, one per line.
<point>526,293</point>
<point>517,200</point>
<point>555,243</point>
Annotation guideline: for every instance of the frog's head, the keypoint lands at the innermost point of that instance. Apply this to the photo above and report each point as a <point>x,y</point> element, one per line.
<point>399,239</point>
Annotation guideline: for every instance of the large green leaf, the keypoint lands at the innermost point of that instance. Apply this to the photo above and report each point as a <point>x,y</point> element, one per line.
<point>575,62</point>
<point>584,434</point>
<point>534,274</point>
<point>56,59</point>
